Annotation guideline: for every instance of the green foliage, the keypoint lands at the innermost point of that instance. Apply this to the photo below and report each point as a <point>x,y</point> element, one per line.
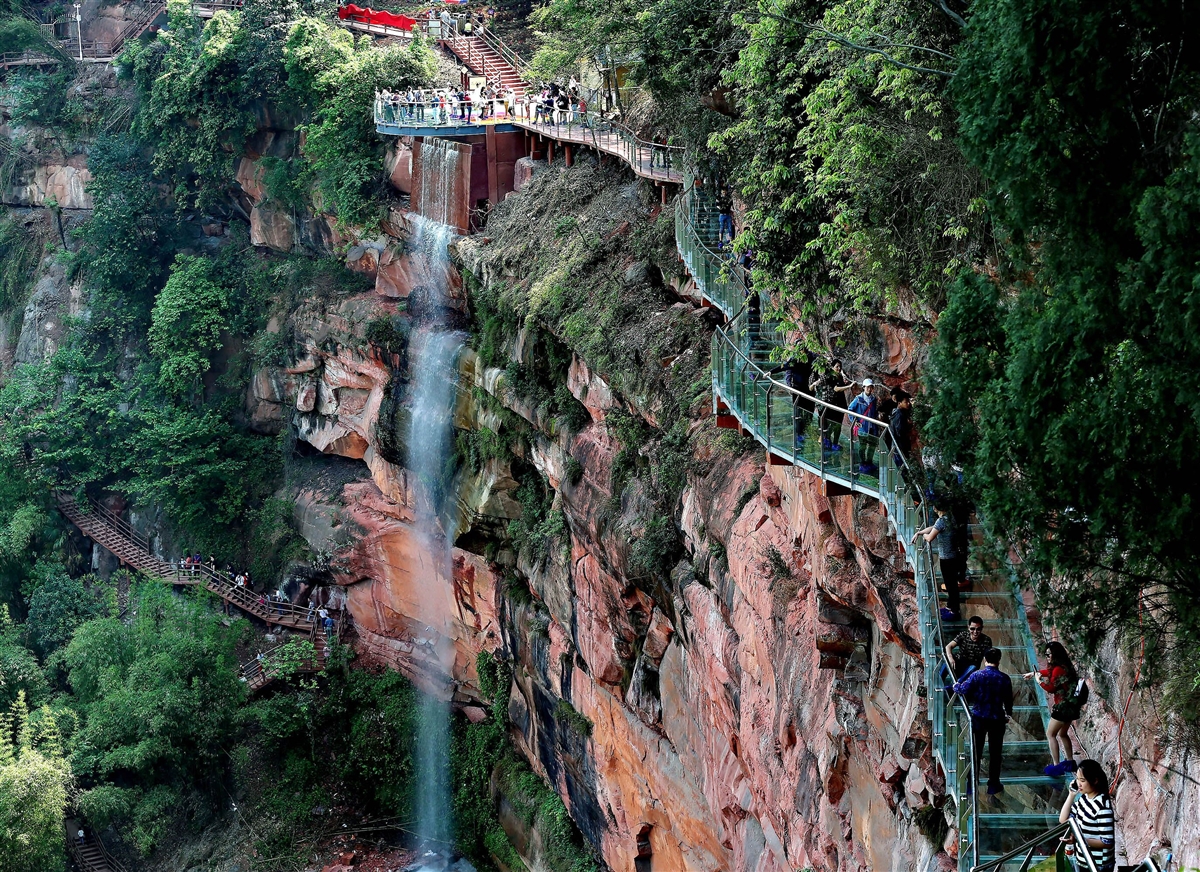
<point>931,821</point>
<point>478,447</point>
<point>157,700</point>
<point>780,570</point>
<point>18,33</point>
<point>20,675</point>
<point>654,553</point>
<point>1065,381</point>
<point>337,79</point>
<point>58,605</point>
<point>126,244</point>
<point>540,524</point>
<point>475,751</point>
<point>574,470</point>
<point>35,97</point>
<point>34,780</point>
<point>568,716</point>
<point>539,806</point>
<point>186,324</point>
<point>389,333</point>
<point>19,252</point>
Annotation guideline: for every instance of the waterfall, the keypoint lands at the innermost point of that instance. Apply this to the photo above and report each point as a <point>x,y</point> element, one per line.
<point>434,364</point>
<point>439,172</point>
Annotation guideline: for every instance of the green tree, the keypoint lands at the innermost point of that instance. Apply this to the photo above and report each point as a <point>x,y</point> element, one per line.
<point>186,325</point>
<point>158,701</point>
<point>34,779</point>
<point>20,675</point>
<point>58,605</point>
<point>1067,381</point>
<point>339,84</point>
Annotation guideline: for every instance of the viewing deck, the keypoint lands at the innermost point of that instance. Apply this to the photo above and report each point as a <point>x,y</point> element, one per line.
<point>649,160</point>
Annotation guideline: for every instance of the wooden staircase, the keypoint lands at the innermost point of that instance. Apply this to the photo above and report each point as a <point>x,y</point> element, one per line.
<point>485,56</point>
<point>131,548</point>
<point>90,855</point>
<point>257,676</point>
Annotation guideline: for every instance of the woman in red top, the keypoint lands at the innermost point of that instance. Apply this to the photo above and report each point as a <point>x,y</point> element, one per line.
<point>1058,678</point>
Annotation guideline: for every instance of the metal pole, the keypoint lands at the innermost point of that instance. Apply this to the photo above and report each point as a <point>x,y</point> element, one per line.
<point>79,28</point>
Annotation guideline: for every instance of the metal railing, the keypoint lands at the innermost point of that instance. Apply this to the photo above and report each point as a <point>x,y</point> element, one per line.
<point>470,52</point>
<point>269,609</point>
<point>1025,853</point>
<point>107,50</point>
<point>28,58</point>
<point>112,519</point>
<point>718,278</point>
<point>591,129</point>
<point>498,45</point>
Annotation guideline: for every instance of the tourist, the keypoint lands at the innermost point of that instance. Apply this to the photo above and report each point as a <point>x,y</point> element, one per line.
<point>417,98</point>
<point>1059,678</point>
<point>829,389</point>
<point>865,428</point>
<point>797,374</point>
<point>952,564</point>
<point>753,315</point>
<point>187,564</point>
<point>725,224</point>
<point>1089,804</point>
<point>989,695</point>
<point>81,836</point>
<point>900,426</point>
<point>466,107</point>
<point>197,560</point>
<point>280,599</point>
<point>965,651</point>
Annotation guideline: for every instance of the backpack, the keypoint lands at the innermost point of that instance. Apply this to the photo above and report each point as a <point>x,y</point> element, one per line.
<point>1070,708</point>
<point>1079,696</point>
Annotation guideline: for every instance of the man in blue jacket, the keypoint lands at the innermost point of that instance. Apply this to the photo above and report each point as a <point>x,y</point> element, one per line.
<point>989,695</point>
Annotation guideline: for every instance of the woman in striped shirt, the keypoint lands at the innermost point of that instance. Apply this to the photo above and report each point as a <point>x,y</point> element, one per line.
<point>1088,803</point>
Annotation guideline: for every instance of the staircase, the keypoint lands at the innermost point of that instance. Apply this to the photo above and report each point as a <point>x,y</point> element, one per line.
<point>90,855</point>
<point>126,544</point>
<point>98,51</point>
<point>485,55</point>
<point>746,398</point>
<point>258,674</point>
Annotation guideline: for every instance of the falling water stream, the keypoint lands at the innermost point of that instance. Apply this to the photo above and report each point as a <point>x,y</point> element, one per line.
<point>439,173</point>
<point>433,360</point>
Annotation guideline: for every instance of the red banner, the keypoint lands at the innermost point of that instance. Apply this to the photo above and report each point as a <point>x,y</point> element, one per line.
<point>373,16</point>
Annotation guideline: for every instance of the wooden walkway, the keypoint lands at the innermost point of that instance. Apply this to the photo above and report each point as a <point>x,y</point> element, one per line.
<point>132,549</point>
<point>648,160</point>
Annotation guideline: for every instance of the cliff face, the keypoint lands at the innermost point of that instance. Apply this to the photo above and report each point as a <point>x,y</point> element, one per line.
<point>756,704</point>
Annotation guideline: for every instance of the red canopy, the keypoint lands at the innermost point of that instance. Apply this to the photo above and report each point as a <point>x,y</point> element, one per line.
<point>372,16</point>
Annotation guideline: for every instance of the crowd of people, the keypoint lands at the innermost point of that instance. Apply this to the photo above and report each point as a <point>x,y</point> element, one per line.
<point>865,404</point>
<point>550,103</point>
<point>273,602</point>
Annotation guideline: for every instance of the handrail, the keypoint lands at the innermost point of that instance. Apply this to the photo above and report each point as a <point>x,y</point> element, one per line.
<point>514,60</point>
<point>727,287</point>
<point>1030,848</point>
